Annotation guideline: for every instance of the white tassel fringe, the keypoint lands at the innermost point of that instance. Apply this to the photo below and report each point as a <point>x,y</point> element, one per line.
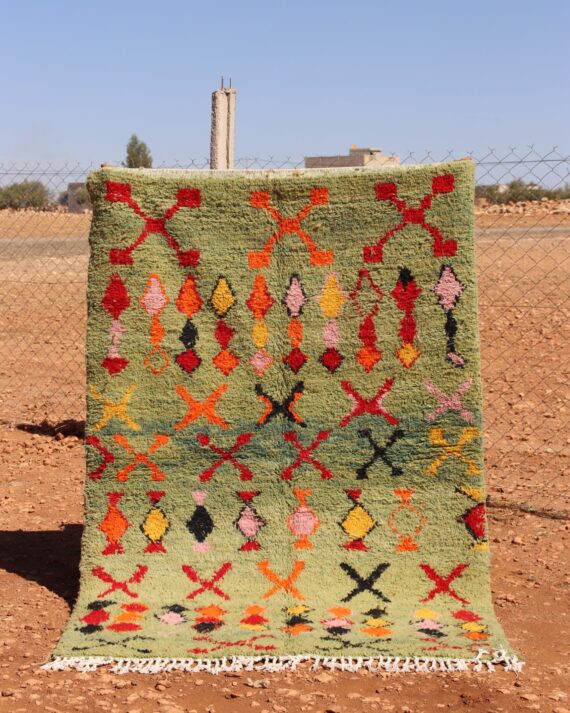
<point>274,664</point>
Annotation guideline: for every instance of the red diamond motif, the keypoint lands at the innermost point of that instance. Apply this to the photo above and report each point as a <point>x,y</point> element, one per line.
<point>331,359</point>
<point>114,364</point>
<point>296,359</point>
<point>223,334</point>
<point>188,360</point>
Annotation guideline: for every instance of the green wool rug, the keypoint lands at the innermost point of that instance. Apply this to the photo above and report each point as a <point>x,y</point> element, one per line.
<point>284,447</point>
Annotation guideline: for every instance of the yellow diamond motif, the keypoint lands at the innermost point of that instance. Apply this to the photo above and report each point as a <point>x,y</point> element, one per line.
<point>332,297</point>
<point>222,299</point>
<point>473,626</point>
<point>426,614</point>
<point>358,523</point>
<point>408,354</point>
<point>155,525</point>
<point>297,610</point>
<point>259,334</point>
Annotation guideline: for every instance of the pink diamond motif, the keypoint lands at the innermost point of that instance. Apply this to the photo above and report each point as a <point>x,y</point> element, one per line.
<point>172,618</point>
<point>154,299</point>
<point>199,496</point>
<point>295,297</point>
<point>249,523</point>
<point>303,521</point>
<point>448,288</point>
<point>331,335</point>
<point>261,361</point>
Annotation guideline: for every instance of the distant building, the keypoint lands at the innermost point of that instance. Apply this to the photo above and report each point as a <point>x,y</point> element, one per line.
<point>365,158</point>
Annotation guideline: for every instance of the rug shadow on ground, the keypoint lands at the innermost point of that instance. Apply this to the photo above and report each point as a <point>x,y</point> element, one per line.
<point>48,557</point>
<point>68,427</point>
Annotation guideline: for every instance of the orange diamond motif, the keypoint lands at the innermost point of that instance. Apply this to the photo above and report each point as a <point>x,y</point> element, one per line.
<point>368,357</point>
<point>260,300</point>
<point>225,361</point>
<point>189,301</point>
<point>114,525</point>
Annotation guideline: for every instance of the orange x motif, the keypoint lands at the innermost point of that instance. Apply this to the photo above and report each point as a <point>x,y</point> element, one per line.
<point>206,408</point>
<point>160,439</point>
<point>282,584</point>
<point>468,434</point>
<point>262,258</point>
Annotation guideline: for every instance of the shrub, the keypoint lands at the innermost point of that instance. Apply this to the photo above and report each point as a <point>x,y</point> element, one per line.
<point>27,194</point>
<point>517,190</point>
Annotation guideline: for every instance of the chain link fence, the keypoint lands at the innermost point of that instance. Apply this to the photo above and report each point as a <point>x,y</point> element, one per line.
<point>523,259</point>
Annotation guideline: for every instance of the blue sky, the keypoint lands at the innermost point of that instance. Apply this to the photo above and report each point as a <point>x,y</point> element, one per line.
<point>312,77</point>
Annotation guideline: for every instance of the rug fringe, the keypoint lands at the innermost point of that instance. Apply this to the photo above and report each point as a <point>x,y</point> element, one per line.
<point>484,661</point>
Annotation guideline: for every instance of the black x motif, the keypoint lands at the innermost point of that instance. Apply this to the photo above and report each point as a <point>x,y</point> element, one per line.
<point>286,408</point>
<point>364,584</point>
<point>99,642</point>
<point>379,453</point>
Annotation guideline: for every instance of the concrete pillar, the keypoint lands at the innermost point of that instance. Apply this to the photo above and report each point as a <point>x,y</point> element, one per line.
<point>222,137</point>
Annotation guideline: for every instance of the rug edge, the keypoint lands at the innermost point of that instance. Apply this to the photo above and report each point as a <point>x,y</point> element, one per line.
<point>484,661</point>
<point>111,171</point>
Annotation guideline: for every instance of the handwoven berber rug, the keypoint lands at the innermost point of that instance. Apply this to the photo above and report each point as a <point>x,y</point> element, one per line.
<point>284,455</point>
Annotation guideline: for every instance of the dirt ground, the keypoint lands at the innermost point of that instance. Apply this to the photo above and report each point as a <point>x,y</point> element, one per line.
<point>524,286</point>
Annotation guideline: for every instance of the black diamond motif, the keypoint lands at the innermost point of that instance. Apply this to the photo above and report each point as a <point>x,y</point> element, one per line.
<point>200,524</point>
<point>189,335</point>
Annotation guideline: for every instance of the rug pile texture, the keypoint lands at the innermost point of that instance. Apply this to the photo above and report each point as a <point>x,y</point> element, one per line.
<point>284,456</point>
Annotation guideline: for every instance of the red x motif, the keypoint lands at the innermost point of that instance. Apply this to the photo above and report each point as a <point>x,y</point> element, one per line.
<point>305,455</point>
<point>362,405</point>
<point>413,216</point>
<point>442,584</point>
<point>207,585</point>
<point>104,576</point>
<point>185,198</point>
<point>249,643</point>
<point>226,456</point>
<point>108,457</point>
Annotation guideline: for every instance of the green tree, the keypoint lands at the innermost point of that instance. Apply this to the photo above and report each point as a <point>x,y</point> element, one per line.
<point>138,154</point>
<point>27,194</point>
